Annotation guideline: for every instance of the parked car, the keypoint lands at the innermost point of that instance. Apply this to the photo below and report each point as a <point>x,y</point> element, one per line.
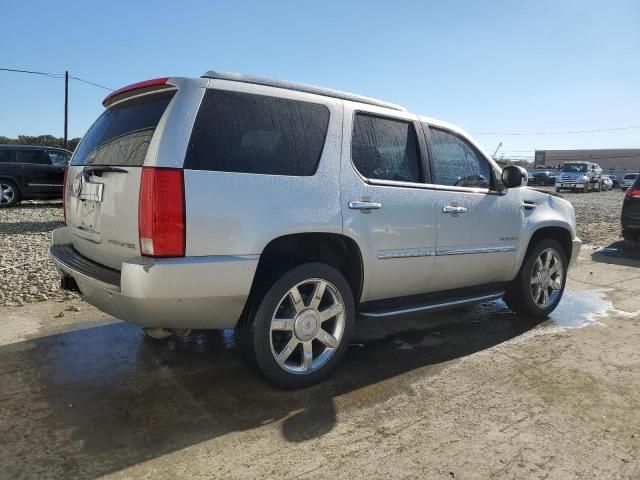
<point>628,180</point>
<point>607,183</point>
<point>615,180</point>
<point>580,176</point>
<point>29,172</point>
<point>544,178</point>
<point>286,210</point>
<point>630,217</point>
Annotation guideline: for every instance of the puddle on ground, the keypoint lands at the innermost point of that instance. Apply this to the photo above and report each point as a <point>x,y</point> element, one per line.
<point>581,308</point>
<point>576,310</point>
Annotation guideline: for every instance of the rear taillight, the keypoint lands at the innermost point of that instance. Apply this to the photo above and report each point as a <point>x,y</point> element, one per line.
<point>64,195</point>
<point>161,212</point>
<point>632,193</point>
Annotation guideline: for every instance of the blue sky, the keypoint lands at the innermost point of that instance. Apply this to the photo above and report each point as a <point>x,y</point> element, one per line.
<point>501,66</point>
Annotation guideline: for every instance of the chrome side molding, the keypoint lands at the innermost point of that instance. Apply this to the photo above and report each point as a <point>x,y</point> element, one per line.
<point>471,250</point>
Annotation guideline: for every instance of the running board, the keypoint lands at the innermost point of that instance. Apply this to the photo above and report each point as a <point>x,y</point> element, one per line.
<point>435,305</point>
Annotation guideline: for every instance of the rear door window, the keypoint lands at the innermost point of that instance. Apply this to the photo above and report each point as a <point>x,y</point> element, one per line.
<point>246,133</point>
<point>122,134</point>
<point>33,156</point>
<point>385,149</point>
<point>7,156</point>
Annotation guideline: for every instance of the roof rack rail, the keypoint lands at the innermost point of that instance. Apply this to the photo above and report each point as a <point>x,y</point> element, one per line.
<point>300,87</point>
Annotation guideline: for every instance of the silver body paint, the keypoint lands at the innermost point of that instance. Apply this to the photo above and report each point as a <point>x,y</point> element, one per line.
<point>409,242</point>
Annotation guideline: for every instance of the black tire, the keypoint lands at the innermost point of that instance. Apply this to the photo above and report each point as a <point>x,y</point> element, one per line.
<point>254,333</point>
<point>519,296</point>
<point>8,185</point>
<point>630,236</point>
<point>557,190</point>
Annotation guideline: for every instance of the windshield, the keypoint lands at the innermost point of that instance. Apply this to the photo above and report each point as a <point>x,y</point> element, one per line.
<point>574,167</point>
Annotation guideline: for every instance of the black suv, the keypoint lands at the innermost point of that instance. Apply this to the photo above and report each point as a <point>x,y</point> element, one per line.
<point>631,213</point>
<point>29,172</point>
<point>544,178</point>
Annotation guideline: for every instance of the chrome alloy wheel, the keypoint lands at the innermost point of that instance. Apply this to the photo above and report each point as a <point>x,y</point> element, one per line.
<point>546,278</point>
<point>7,194</point>
<point>307,326</point>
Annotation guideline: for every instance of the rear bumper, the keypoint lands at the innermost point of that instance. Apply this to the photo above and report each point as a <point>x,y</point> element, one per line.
<point>575,250</point>
<point>189,292</point>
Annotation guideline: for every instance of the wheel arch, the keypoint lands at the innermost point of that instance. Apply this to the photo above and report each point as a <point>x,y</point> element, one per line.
<point>558,232</point>
<point>13,179</point>
<point>288,251</point>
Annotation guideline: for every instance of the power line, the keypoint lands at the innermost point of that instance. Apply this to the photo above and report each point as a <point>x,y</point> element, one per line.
<point>52,75</point>
<point>91,83</point>
<point>560,133</point>
<point>55,75</point>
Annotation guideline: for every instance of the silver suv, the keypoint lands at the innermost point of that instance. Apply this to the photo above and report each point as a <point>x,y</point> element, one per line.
<point>287,211</point>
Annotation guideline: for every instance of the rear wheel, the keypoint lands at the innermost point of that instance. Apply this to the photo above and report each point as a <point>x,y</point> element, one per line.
<point>9,193</point>
<point>539,286</point>
<point>630,236</point>
<point>302,326</point>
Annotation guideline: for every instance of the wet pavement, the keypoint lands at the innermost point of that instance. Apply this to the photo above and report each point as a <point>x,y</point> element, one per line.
<point>85,396</point>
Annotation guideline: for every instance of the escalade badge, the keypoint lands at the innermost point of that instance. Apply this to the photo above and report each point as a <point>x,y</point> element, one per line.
<point>76,187</point>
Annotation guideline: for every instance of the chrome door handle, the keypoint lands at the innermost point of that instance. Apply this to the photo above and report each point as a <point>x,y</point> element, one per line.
<point>364,205</point>
<point>452,209</point>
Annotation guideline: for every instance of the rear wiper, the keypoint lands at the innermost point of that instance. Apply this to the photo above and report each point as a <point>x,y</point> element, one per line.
<point>99,170</point>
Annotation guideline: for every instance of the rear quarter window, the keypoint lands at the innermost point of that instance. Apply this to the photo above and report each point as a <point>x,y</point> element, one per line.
<point>246,133</point>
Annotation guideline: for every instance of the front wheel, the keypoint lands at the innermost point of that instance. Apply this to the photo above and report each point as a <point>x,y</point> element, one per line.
<point>539,286</point>
<point>302,326</point>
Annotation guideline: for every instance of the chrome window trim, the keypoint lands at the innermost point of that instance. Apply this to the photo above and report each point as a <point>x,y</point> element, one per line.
<point>44,184</point>
<point>424,186</point>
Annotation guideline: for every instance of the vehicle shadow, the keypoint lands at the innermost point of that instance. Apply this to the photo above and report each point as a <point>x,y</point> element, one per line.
<point>29,227</point>
<point>90,402</point>
<point>618,253</point>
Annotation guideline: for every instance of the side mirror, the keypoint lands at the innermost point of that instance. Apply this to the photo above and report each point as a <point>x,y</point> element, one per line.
<point>514,176</point>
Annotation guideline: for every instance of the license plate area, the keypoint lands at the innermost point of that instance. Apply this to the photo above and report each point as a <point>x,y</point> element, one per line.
<point>91,191</point>
<point>90,215</point>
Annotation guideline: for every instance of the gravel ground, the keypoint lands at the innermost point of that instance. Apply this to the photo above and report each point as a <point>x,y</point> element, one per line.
<point>27,275</point>
<point>597,215</point>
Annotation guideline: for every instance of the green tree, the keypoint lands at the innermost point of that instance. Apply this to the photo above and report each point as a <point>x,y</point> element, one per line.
<point>46,140</point>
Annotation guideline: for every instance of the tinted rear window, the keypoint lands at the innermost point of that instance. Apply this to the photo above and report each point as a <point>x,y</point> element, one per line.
<point>32,156</point>
<point>385,149</point>
<point>240,132</point>
<point>122,134</point>
<point>7,156</point>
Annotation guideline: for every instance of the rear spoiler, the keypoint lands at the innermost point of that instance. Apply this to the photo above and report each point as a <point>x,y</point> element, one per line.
<point>152,85</point>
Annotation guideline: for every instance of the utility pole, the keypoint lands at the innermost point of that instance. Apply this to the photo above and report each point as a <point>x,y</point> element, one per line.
<point>66,105</point>
<point>494,153</point>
